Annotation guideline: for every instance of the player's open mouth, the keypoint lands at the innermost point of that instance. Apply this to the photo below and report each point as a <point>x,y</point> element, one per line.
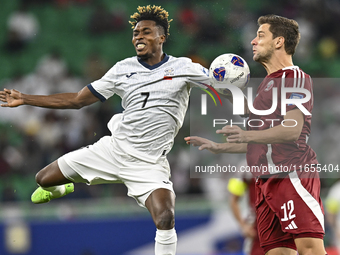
<point>140,46</point>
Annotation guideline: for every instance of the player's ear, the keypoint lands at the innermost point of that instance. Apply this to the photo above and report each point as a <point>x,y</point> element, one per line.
<point>279,42</point>
<point>162,38</point>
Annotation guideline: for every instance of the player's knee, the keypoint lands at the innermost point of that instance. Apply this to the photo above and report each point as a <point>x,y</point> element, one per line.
<point>310,246</point>
<point>41,179</point>
<point>165,220</point>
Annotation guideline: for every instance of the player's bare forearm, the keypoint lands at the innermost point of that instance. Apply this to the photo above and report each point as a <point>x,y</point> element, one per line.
<point>232,147</point>
<point>56,101</point>
<point>216,148</point>
<point>289,132</point>
<point>14,98</point>
<point>278,134</point>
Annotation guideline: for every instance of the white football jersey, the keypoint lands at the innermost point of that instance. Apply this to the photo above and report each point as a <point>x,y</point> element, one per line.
<point>155,100</point>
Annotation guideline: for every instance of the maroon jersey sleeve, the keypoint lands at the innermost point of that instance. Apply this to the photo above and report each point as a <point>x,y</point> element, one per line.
<point>295,78</point>
<point>295,82</point>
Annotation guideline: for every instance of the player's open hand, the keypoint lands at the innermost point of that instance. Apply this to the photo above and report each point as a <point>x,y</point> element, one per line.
<point>234,134</point>
<point>203,143</point>
<point>12,98</point>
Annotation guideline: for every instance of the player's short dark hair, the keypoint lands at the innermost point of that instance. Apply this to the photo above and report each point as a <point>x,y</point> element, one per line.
<point>155,13</point>
<point>281,26</point>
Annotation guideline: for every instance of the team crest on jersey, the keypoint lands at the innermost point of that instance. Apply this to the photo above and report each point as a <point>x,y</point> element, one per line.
<point>269,86</point>
<point>168,72</point>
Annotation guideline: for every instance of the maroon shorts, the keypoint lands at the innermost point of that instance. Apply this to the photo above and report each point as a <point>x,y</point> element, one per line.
<point>288,206</point>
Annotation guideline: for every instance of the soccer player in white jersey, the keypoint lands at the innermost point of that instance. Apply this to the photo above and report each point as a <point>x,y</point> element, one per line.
<point>155,89</point>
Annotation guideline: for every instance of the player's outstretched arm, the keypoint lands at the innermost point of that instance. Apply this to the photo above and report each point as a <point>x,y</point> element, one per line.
<point>14,98</point>
<point>205,144</point>
<point>294,121</point>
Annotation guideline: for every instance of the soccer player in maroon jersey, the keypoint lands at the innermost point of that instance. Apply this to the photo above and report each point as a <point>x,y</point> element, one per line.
<point>289,210</point>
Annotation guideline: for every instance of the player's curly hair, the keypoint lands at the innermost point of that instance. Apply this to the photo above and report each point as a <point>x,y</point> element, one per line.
<point>155,13</point>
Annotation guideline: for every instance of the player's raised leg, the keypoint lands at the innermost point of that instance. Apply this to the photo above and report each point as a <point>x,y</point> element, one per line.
<point>161,205</point>
<point>53,184</point>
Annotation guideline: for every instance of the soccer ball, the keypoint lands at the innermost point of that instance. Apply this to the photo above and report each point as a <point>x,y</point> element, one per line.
<point>229,69</point>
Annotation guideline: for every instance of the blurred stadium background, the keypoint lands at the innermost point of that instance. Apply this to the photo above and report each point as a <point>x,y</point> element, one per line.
<point>52,46</point>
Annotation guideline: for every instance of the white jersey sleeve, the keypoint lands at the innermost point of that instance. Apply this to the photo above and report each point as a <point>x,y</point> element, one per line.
<point>104,88</point>
<point>155,100</point>
<point>195,78</point>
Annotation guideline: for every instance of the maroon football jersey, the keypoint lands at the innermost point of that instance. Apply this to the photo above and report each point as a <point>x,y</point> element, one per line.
<point>272,158</point>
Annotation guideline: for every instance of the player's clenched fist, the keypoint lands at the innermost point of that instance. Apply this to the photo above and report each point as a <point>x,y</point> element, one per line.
<point>12,98</point>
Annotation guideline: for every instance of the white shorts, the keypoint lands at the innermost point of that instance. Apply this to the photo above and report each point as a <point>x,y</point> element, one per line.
<point>105,162</point>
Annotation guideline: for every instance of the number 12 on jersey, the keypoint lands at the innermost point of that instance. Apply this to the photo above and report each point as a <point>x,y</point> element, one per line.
<point>288,209</point>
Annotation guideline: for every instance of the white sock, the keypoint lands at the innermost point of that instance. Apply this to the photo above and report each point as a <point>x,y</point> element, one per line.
<point>56,191</point>
<point>166,242</point>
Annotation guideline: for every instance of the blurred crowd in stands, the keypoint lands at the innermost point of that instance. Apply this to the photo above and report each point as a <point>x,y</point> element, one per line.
<point>32,137</point>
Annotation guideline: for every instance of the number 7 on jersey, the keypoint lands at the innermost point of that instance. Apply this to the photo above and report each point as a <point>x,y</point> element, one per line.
<point>146,94</point>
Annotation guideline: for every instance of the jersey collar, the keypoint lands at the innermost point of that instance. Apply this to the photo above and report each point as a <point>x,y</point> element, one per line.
<point>165,59</point>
